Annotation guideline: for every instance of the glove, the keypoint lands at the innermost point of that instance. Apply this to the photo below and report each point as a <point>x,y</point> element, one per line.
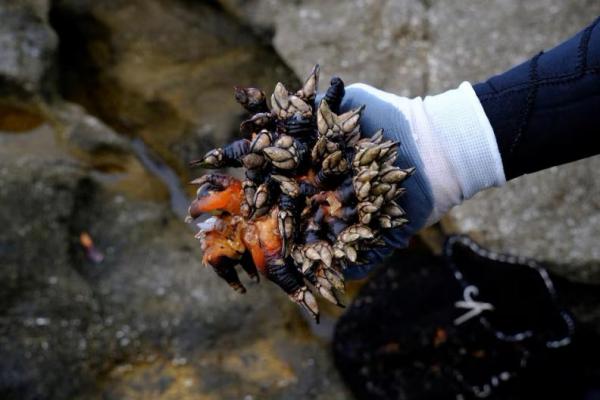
<point>449,140</point>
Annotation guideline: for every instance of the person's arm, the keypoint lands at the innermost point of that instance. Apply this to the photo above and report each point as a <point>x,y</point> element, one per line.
<point>546,111</point>
<point>542,113</point>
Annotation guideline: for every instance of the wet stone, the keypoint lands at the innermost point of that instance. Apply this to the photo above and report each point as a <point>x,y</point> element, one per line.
<point>27,45</point>
<point>553,216</point>
<point>168,78</point>
<point>145,322</point>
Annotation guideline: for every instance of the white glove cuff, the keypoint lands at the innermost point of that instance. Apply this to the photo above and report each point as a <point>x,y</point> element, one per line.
<point>458,147</point>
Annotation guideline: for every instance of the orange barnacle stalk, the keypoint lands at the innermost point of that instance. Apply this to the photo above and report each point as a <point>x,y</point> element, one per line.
<point>268,234</point>
<point>225,240</point>
<point>251,241</point>
<point>261,238</point>
<point>223,248</point>
<point>216,194</point>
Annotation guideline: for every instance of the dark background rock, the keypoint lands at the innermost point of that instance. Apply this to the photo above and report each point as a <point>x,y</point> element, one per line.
<point>148,321</point>
<point>162,70</point>
<point>552,216</point>
<point>27,44</point>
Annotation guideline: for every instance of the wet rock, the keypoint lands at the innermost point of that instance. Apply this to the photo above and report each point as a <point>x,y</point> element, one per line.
<point>87,133</point>
<point>48,307</point>
<point>19,116</point>
<point>412,48</point>
<point>162,71</point>
<point>475,42</point>
<point>552,216</point>
<point>145,322</point>
<point>383,43</point>
<point>28,47</point>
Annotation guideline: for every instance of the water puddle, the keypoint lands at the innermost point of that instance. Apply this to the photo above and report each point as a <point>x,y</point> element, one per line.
<point>154,164</point>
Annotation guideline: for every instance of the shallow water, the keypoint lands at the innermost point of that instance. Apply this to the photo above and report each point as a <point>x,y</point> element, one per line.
<point>156,166</point>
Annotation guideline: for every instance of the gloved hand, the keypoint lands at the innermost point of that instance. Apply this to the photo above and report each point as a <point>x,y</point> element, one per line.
<point>449,140</point>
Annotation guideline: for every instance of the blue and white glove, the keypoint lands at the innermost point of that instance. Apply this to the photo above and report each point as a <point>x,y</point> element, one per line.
<point>449,140</point>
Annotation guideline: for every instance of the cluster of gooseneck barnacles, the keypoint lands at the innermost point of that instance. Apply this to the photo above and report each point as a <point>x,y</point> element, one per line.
<point>316,193</point>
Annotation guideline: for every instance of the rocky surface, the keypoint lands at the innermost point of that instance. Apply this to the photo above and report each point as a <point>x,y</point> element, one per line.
<point>418,48</point>
<point>553,216</point>
<point>383,43</point>
<point>137,317</point>
<point>154,77</point>
<point>487,37</point>
<point>27,44</point>
<point>162,70</point>
<point>146,322</point>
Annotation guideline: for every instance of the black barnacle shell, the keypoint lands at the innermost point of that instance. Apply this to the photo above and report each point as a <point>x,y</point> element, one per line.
<point>335,94</point>
<point>298,126</point>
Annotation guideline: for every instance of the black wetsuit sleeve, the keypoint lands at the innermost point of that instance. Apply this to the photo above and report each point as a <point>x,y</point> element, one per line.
<point>546,111</point>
